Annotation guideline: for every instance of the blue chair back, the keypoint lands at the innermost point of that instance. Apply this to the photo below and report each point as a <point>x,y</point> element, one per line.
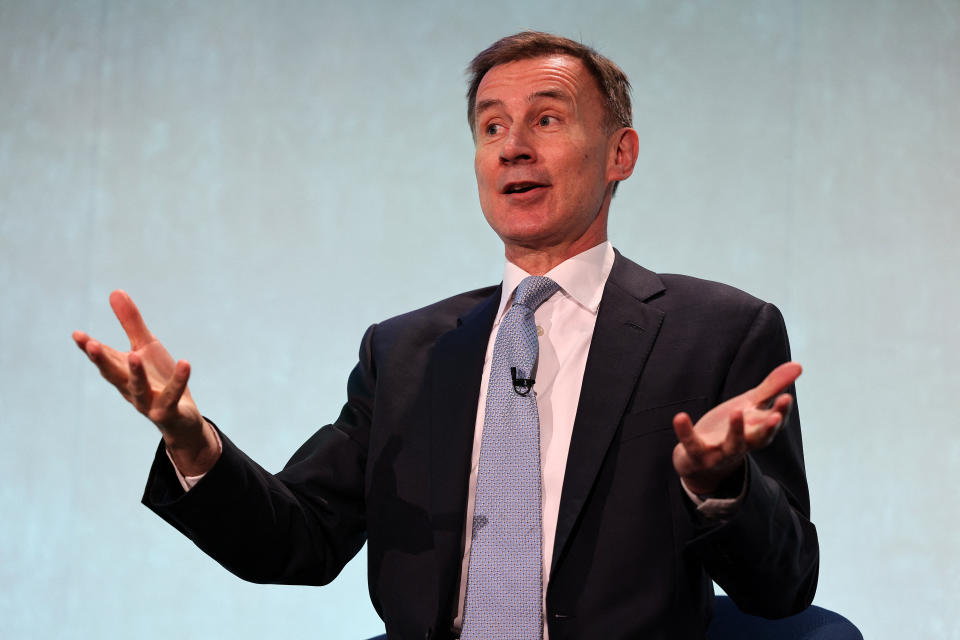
<point>815,623</point>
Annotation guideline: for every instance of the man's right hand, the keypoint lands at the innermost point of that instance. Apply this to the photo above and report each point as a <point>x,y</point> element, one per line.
<point>156,386</point>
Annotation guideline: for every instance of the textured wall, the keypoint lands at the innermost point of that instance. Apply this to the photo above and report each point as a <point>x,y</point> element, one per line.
<point>266,179</point>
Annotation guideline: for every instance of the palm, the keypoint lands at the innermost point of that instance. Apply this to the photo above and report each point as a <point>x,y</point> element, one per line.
<point>711,450</point>
<point>159,368</point>
<point>147,375</point>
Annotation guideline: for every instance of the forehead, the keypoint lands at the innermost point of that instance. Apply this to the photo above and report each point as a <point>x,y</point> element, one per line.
<point>522,79</point>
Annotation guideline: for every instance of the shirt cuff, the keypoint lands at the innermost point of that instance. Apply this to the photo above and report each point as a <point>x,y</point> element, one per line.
<point>189,482</point>
<point>716,508</point>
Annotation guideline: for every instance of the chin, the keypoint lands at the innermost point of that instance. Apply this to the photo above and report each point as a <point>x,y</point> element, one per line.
<point>518,232</point>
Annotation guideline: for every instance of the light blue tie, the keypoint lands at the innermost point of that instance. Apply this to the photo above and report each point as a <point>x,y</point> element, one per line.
<point>505,578</point>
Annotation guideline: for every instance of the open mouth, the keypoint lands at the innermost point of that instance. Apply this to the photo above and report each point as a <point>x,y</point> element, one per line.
<point>521,187</point>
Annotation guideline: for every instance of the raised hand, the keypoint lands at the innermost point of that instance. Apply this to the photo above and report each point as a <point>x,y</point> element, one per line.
<point>714,448</point>
<point>149,378</point>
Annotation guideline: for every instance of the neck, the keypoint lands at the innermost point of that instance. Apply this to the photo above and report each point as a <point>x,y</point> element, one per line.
<point>539,260</point>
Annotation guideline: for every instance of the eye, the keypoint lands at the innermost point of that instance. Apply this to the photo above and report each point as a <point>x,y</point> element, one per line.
<point>546,121</point>
<point>492,129</point>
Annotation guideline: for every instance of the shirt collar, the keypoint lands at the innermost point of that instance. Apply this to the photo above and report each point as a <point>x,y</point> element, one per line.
<point>581,278</point>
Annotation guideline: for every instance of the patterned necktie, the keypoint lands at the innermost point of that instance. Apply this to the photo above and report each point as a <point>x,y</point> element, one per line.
<point>505,578</point>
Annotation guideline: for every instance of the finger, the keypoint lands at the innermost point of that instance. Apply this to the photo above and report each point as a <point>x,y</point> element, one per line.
<point>765,430</point>
<point>776,381</point>
<point>130,319</point>
<point>109,362</point>
<point>783,404</point>
<point>735,443</point>
<point>172,393</point>
<point>81,339</point>
<point>683,427</point>
<point>774,424</point>
<point>138,386</point>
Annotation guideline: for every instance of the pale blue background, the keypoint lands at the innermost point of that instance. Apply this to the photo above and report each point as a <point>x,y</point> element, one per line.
<point>267,179</point>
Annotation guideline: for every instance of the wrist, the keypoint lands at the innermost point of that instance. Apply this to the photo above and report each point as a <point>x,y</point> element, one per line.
<point>717,485</point>
<point>195,453</point>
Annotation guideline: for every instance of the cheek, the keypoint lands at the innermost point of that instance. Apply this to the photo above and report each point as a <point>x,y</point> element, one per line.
<point>485,185</point>
<point>481,167</point>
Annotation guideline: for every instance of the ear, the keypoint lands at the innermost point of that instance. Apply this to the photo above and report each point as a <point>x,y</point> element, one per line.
<point>625,145</point>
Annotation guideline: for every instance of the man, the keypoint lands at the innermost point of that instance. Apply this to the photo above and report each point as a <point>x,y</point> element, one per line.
<point>638,495</point>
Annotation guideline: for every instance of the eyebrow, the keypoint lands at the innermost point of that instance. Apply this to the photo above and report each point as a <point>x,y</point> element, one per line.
<point>483,105</point>
<point>552,94</point>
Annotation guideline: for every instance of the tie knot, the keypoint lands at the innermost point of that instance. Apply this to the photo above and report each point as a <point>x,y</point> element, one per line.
<point>534,291</point>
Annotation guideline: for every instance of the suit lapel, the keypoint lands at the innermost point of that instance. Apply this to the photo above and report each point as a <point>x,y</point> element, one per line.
<point>622,339</point>
<point>456,366</point>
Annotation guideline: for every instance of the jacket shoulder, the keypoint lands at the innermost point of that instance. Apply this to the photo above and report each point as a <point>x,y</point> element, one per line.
<point>693,302</point>
<point>440,316</point>
<point>671,290</point>
<point>707,292</point>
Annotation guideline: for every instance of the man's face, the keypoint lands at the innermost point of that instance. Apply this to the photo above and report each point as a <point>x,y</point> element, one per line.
<point>542,154</point>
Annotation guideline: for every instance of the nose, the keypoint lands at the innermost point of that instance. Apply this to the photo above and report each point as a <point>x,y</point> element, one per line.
<point>517,147</point>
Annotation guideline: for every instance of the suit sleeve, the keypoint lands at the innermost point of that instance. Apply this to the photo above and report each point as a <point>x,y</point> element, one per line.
<point>766,555</point>
<point>300,526</point>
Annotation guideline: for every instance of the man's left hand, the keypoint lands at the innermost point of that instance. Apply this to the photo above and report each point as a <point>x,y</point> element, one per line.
<point>714,448</point>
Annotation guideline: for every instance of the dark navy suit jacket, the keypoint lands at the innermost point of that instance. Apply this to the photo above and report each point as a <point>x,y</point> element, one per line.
<point>632,558</point>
